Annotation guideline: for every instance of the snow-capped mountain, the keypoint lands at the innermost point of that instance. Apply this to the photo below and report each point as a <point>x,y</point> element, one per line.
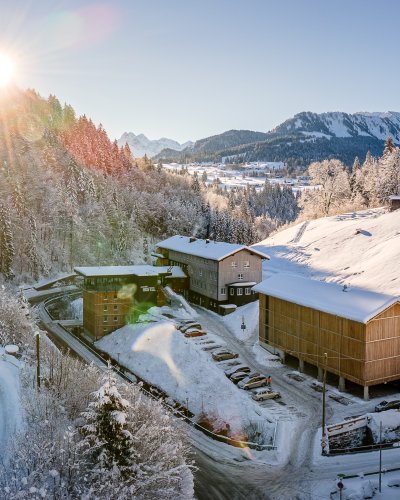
<point>337,124</point>
<point>302,139</point>
<point>141,145</point>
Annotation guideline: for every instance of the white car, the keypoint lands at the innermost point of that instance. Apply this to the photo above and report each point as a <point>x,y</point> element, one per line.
<point>253,380</point>
<point>265,393</point>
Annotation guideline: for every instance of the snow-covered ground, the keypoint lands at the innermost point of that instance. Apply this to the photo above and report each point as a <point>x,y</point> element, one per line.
<point>10,412</point>
<point>240,178</point>
<point>161,355</point>
<point>360,249</point>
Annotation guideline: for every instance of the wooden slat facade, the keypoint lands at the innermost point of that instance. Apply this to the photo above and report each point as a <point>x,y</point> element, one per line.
<point>367,354</point>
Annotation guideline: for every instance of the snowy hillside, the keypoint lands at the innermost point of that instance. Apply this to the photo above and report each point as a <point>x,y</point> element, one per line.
<point>357,249</point>
<point>328,125</point>
<point>141,145</point>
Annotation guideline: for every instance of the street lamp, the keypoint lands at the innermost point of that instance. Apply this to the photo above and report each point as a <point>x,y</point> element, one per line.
<point>323,440</point>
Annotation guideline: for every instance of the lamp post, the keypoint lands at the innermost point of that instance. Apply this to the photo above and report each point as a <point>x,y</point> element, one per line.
<point>323,440</point>
<point>37,335</point>
<point>380,457</point>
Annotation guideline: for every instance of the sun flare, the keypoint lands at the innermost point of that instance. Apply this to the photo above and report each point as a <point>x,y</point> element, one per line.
<point>6,70</point>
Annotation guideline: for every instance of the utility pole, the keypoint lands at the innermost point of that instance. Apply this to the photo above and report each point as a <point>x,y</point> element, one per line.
<point>37,335</point>
<point>323,440</point>
<point>380,457</point>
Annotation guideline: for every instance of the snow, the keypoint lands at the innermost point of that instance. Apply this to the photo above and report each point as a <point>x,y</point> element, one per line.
<point>328,249</point>
<point>10,412</point>
<point>161,355</point>
<point>138,270</point>
<point>352,303</point>
<point>207,249</point>
<point>248,313</point>
<point>390,423</point>
<point>77,308</point>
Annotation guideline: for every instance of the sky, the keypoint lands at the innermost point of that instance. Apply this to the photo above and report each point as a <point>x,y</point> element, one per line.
<point>187,69</point>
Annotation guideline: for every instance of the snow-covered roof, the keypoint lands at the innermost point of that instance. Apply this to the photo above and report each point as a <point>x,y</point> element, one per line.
<point>394,197</point>
<point>207,249</point>
<point>136,270</point>
<point>174,271</point>
<point>356,304</point>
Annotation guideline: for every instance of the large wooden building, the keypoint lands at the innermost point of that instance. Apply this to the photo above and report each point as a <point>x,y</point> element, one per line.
<point>116,295</point>
<point>358,329</point>
<point>220,273</point>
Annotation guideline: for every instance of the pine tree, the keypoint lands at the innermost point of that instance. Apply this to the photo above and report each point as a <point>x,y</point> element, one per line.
<point>107,441</point>
<point>6,243</point>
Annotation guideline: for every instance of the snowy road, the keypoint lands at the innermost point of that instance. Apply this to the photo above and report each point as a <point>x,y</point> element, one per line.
<point>9,401</point>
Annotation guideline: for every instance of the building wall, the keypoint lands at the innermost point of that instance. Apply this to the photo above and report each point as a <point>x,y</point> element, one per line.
<point>365,354</point>
<point>383,346</point>
<point>203,273</point>
<point>241,266</point>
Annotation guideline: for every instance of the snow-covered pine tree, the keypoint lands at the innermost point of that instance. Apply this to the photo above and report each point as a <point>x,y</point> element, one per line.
<point>107,442</point>
<point>6,243</point>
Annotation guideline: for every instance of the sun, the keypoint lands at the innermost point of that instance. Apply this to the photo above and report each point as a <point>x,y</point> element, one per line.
<point>6,70</point>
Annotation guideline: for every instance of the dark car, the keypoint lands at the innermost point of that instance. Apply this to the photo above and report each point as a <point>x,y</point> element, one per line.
<point>388,405</point>
<point>238,376</point>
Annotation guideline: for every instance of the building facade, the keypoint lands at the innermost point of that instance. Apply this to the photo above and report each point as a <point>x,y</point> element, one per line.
<point>116,295</point>
<point>353,333</point>
<point>219,273</point>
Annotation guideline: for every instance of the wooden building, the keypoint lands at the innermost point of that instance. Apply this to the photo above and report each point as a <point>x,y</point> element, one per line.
<point>394,202</point>
<point>219,273</point>
<point>115,295</point>
<point>359,330</point>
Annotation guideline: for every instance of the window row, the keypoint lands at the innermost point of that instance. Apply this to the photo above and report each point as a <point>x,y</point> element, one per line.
<point>246,264</point>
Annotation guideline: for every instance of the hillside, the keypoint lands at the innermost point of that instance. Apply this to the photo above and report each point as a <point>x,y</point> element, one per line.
<point>140,145</point>
<point>357,249</point>
<point>304,138</point>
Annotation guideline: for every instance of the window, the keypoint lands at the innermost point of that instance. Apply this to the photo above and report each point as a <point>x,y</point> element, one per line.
<point>246,263</point>
<point>115,319</point>
<point>234,263</point>
<point>223,290</point>
<point>232,291</point>
<point>105,319</point>
<point>115,307</point>
<point>240,276</point>
<point>240,291</point>
<point>115,296</point>
<point>247,291</point>
<point>105,298</point>
<point>105,330</point>
<point>201,272</point>
<point>105,308</point>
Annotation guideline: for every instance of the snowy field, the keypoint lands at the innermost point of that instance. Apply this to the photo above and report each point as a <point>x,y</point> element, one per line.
<point>240,178</point>
<point>359,248</point>
<point>161,355</point>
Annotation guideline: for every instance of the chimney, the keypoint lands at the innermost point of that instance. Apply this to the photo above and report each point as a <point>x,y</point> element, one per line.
<point>207,240</point>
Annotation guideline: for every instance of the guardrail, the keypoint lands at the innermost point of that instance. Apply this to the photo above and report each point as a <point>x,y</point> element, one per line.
<point>122,373</point>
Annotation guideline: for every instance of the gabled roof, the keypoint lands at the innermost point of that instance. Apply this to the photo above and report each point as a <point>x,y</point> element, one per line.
<point>356,304</point>
<point>207,249</point>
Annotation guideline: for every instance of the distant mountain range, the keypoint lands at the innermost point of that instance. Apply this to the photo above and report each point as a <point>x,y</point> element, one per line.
<point>141,145</point>
<point>300,140</point>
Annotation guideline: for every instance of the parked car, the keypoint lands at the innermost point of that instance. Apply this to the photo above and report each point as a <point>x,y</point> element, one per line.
<point>195,333</point>
<point>263,394</point>
<point>237,377</point>
<point>388,405</point>
<point>239,368</point>
<point>253,380</point>
<point>223,355</point>
<point>184,328</point>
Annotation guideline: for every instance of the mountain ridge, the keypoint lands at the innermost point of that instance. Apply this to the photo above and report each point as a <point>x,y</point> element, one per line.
<point>304,138</point>
<point>141,145</point>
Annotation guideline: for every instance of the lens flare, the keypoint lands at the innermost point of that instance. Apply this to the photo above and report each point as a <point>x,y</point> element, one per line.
<point>6,70</point>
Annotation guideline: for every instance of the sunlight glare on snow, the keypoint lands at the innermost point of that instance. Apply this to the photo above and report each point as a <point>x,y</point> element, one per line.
<point>153,341</point>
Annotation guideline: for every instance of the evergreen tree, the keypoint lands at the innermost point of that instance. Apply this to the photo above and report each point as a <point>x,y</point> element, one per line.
<point>107,442</point>
<point>6,243</point>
